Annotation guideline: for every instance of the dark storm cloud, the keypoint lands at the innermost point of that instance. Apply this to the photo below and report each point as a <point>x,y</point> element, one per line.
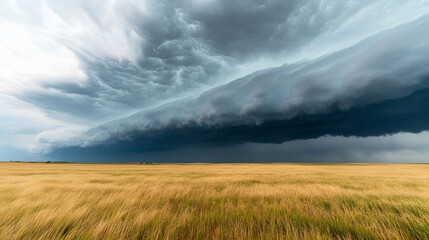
<point>169,60</point>
<point>138,57</point>
<point>258,28</point>
<point>377,87</point>
<point>389,117</point>
<point>158,76</point>
<point>250,28</point>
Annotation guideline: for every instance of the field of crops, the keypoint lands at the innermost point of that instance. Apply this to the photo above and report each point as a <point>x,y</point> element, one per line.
<point>214,201</point>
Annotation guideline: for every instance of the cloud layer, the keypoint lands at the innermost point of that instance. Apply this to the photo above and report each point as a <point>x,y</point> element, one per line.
<point>149,76</point>
<point>369,89</point>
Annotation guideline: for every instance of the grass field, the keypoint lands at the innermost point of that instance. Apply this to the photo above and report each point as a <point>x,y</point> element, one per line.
<point>214,201</point>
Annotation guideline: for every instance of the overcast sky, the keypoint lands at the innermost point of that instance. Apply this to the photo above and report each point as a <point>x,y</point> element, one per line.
<point>214,80</point>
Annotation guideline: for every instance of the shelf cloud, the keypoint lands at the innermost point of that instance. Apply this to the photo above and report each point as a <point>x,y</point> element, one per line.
<point>143,79</point>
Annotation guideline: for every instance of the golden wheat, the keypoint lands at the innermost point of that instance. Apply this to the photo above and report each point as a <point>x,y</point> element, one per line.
<point>214,201</point>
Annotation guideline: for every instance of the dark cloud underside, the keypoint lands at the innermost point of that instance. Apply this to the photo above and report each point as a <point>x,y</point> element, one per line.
<point>407,114</point>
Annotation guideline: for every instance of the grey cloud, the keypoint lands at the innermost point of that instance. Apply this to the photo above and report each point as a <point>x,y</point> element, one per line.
<point>181,48</point>
<point>388,117</point>
<point>238,28</point>
<point>399,148</point>
<point>171,63</point>
<point>251,28</point>
<point>139,55</point>
<point>376,87</point>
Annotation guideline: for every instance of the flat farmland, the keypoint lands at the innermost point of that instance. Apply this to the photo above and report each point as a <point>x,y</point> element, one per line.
<point>214,201</point>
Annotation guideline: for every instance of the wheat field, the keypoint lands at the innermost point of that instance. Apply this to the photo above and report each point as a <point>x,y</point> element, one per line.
<point>214,201</point>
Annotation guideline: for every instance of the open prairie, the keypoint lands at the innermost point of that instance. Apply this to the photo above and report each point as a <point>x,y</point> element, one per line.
<point>214,201</point>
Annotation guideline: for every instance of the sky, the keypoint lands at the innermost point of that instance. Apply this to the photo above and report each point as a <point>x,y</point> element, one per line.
<point>214,81</point>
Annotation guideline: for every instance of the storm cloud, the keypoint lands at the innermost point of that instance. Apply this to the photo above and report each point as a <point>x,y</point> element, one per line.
<point>126,78</point>
<point>369,89</point>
